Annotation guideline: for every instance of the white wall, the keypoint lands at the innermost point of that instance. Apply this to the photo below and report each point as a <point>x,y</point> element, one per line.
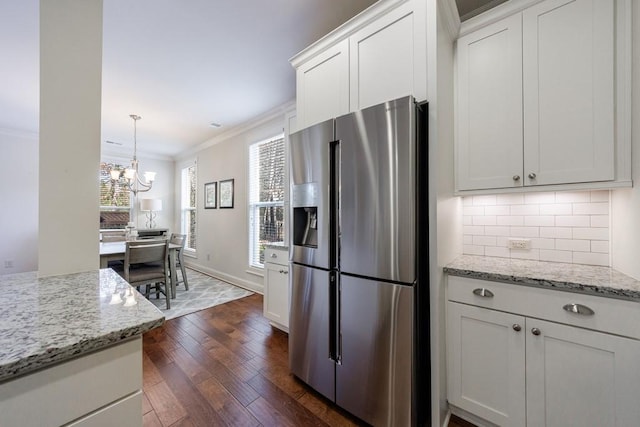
<point>222,234</point>
<point>625,203</point>
<point>69,150</point>
<point>19,195</point>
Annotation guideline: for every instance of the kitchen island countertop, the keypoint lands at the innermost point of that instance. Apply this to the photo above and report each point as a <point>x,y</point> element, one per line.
<point>45,321</point>
<point>588,279</point>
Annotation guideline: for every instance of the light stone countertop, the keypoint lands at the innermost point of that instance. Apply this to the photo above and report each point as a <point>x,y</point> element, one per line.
<point>593,280</point>
<point>44,321</point>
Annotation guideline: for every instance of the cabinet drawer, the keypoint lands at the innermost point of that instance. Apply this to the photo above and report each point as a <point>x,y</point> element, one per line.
<point>609,315</point>
<point>276,256</point>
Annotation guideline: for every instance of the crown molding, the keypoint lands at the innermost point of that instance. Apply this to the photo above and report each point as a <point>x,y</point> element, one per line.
<point>449,15</point>
<point>273,114</point>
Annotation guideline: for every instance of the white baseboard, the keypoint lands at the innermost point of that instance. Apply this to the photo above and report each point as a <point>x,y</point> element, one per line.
<point>254,287</point>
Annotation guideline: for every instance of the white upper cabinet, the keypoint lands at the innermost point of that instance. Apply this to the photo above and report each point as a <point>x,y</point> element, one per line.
<point>536,98</point>
<point>378,56</point>
<point>568,91</point>
<point>322,84</point>
<point>386,62</point>
<point>490,106</point>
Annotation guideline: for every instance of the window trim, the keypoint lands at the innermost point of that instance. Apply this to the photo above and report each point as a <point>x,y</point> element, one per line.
<point>188,251</point>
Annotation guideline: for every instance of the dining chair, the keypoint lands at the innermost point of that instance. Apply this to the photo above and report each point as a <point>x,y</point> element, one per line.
<point>180,239</point>
<point>145,263</point>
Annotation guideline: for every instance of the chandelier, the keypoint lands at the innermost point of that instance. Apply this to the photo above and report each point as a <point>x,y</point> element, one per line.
<point>135,183</point>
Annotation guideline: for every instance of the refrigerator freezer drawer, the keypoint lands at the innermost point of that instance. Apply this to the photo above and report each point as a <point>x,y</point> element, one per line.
<point>309,329</point>
<point>374,379</point>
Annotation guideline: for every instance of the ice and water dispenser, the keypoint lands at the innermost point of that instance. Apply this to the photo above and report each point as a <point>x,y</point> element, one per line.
<point>305,215</point>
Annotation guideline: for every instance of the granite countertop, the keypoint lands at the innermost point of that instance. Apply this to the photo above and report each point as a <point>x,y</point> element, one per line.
<point>44,321</point>
<point>601,281</point>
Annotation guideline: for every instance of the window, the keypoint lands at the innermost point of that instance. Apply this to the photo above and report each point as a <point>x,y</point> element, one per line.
<point>189,197</point>
<point>115,200</point>
<point>266,196</point>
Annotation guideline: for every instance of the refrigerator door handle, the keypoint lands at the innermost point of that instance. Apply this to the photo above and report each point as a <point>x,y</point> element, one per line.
<point>338,321</point>
<point>333,323</point>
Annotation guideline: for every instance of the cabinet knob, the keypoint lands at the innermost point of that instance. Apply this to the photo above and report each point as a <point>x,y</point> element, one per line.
<point>274,255</point>
<point>483,292</point>
<point>579,309</point>
<point>285,272</point>
<point>532,175</point>
<point>517,327</point>
<point>516,177</point>
<point>535,331</point>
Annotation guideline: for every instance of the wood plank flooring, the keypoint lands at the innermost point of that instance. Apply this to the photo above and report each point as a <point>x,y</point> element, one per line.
<point>226,366</point>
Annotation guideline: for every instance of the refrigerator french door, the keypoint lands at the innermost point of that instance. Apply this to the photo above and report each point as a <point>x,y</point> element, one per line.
<point>353,306</point>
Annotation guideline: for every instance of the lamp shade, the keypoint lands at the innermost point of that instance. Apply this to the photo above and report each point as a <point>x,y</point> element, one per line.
<point>151,205</point>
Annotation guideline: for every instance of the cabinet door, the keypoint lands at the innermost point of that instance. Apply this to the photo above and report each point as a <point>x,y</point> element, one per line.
<point>276,293</point>
<point>384,58</point>
<point>579,377</point>
<point>323,86</point>
<point>568,67</point>
<point>486,359</point>
<point>489,108</point>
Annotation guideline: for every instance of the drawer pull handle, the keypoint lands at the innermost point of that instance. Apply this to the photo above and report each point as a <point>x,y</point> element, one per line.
<point>285,272</point>
<point>483,292</point>
<point>579,309</point>
<point>274,255</point>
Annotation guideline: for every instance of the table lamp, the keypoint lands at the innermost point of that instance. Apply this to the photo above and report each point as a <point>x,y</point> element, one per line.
<point>151,206</point>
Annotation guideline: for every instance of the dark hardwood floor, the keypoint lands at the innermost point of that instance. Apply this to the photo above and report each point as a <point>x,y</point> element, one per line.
<point>226,366</point>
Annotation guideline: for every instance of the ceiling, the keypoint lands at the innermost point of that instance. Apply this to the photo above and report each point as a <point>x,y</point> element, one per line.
<point>180,64</point>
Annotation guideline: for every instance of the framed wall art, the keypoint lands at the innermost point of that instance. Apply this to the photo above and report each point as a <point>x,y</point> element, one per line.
<point>210,195</point>
<point>226,193</point>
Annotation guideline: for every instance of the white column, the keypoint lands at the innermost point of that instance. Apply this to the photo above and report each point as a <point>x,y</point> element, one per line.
<point>70,108</point>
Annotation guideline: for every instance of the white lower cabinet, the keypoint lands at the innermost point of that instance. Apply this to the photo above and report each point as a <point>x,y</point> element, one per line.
<point>276,288</point>
<point>516,369</point>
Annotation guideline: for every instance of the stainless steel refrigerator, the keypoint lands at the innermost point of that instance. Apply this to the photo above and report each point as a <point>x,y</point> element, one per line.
<point>359,316</point>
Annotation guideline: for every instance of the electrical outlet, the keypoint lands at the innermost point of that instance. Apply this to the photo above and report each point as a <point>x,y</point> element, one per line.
<point>8,263</point>
<point>519,243</point>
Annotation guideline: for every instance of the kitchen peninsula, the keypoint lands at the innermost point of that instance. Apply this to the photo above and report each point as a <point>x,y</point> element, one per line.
<point>71,349</point>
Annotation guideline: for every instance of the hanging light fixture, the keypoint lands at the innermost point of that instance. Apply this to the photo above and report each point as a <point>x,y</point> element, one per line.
<point>135,183</point>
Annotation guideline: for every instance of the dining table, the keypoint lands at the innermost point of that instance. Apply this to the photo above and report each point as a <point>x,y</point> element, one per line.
<point>114,251</point>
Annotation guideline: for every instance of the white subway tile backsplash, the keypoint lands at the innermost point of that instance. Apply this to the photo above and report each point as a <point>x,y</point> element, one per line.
<point>484,220</point>
<point>538,243</point>
<point>591,233</point>
<point>497,251</point>
<point>484,240</point>
<point>510,199</point>
<point>573,221</point>
<point>539,198</point>
<point>568,227</point>
<point>473,210</point>
<point>572,197</point>
<point>540,221</point>
<point>600,221</point>
<point>556,232</point>
<point>525,232</point>
<point>573,245</point>
<point>496,230</point>
<point>497,210</point>
<point>601,246</point>
<point>484,200</point>
<point>600,208</point>
<point>525,209</point>
<point>590,258</point>
<point>474,230</point>
<point>556,209</point>
<point>473,250</point>
<point>556,256</point>
<point>510,220</point>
